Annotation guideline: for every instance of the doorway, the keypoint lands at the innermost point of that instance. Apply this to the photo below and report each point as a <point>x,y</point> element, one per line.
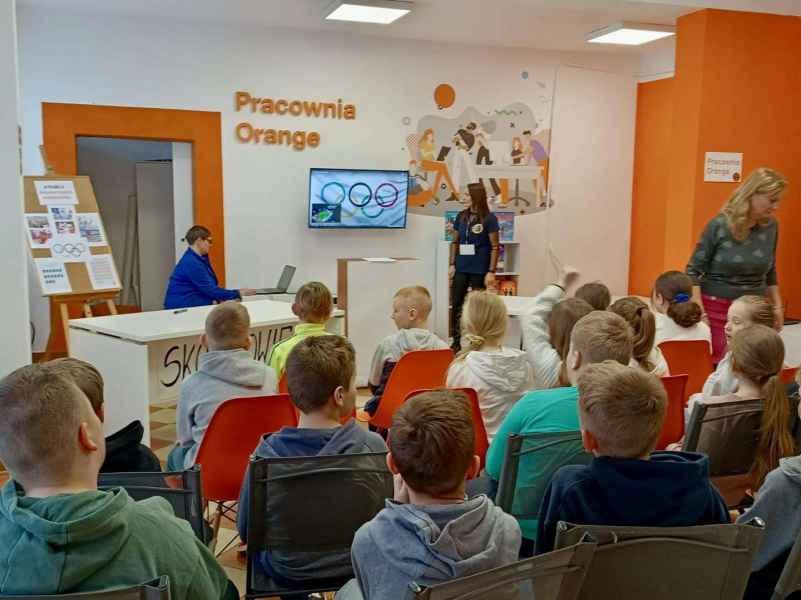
<point>144,194</point>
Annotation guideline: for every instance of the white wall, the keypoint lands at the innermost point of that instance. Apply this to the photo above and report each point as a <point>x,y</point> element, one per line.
<point>15,350</point>
<point>124,62</point>
<point>658,60</point>
<point>592,161</point>
<point>182,193</point>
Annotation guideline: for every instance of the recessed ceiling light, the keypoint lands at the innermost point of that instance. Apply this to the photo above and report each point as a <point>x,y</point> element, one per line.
<point>630,34</point>
<point>382,12</point>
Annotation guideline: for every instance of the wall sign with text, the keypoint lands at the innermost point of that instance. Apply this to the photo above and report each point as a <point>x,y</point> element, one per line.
<point>726,167</point>
<point>247,133</point>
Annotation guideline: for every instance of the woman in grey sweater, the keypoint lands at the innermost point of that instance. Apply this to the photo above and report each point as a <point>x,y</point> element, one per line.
<point>736,254</point>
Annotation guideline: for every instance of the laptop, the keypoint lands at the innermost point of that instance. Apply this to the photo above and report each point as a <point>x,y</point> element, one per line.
<point>443,153</point>
<point>283,282</point>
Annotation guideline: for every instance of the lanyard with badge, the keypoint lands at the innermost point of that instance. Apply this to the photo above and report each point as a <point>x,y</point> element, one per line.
<point>474,227</point>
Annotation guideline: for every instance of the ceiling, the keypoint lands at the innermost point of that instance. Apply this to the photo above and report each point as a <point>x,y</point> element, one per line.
<point>544,24</point>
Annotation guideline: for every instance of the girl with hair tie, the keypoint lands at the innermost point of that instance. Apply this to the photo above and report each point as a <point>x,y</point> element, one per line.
<point>500,375</point>
<point>643,323</point>
<point>678,316</point>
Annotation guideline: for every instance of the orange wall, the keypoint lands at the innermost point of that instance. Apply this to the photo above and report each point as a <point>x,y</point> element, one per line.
<point>737,88</point>
<point>649,193</point>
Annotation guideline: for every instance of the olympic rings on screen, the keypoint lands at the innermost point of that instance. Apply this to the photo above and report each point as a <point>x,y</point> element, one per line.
<point>368,197</point>
<point>360,194</point>
<point>342,196</point>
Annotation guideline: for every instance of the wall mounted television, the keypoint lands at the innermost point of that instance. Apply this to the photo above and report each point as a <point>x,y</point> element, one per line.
<point>358,198</point>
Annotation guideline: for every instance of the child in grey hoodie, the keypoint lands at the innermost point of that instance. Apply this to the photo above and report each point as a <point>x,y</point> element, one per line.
<point>227,370</point>
<point>431,532</point>
<point>777,503</point>
<point>410,309</point>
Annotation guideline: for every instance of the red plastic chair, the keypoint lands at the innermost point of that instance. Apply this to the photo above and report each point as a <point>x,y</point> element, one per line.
<point>788,375</point>
<point>673,427</point>
<point>691,357</point>
<point>481,440</point>
<point>236,428</point>
<point>418,369</point>
<point>283,388</point>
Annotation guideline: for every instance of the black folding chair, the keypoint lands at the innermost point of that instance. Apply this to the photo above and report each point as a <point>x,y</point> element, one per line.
<point>182,489</point>
<point>728,432</point>
<point>158,589</point>
<point>665,563</point>
<point>521,496</point>
<point>557,575</point>
<point>309,508</point>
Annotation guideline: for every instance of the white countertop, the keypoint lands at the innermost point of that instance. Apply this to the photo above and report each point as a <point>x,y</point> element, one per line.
<point>166,324</point>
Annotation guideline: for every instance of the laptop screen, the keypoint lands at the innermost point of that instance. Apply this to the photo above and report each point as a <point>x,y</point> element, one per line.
<point>286,277</point>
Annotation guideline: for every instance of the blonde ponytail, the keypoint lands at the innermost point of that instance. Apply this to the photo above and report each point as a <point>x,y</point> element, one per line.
<point>483,322</point>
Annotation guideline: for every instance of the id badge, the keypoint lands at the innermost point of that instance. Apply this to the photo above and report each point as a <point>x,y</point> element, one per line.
<point>467,249</point>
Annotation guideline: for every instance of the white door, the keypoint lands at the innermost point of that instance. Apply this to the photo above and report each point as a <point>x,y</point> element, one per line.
<point>156,228</point>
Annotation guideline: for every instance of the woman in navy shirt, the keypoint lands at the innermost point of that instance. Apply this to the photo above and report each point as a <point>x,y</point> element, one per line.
<point>473,254</point>
<point>193,282</point>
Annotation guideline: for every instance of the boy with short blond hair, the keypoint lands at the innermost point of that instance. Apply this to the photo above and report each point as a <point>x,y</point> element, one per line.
<point>313,305</point>
<point>321,376</point>
<point>596,337</point>
<point>60,534</point>
<point>621,410</point>
<point>226,370</point>
<point>124,449</point>
<point>431,532</point>
<point>410,309</point>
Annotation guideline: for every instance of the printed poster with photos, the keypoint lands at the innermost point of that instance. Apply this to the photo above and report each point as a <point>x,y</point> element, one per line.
<point>67,240</point>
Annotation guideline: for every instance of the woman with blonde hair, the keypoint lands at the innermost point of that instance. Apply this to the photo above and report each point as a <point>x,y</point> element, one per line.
<point>499,375</point>
<point>736,254</point>
<point>646,354</point>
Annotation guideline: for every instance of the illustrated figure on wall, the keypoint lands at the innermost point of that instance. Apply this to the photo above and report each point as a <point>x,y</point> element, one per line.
<point>517,151</point>
<point>426,145</point>
<point>463,142</point>
<point>483,154</point>
<point>535,154</point>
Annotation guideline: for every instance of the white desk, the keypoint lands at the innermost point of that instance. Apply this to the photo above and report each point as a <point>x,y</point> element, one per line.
<point>144,357</point>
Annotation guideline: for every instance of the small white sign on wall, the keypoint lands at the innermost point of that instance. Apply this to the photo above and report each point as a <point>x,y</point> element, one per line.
<point>724,167</point>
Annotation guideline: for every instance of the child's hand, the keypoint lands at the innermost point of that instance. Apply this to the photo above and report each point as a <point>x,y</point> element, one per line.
<point>568,276</point>
<point>401,491</point>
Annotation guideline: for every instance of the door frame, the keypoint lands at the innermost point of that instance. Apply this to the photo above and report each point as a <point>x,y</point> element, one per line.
<point>63,124</point>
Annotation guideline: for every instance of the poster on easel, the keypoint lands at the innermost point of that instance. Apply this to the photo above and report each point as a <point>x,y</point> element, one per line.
<point>65,234</point>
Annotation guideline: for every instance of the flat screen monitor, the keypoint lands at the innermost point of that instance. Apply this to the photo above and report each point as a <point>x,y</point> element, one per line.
<point>357,199</point>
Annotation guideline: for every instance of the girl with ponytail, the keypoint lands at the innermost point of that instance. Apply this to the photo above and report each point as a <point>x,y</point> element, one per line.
<point>678,316</point>
<point>500,375</point>
<point>757,358</point>
<point>643,323</point>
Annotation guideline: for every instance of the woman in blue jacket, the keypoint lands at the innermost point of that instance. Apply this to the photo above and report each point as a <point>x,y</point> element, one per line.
<point>193,282</point>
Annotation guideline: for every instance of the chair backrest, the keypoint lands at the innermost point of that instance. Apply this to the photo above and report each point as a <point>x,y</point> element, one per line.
<point>673,427</point>
<point>788,375</point>
<point>727,432</point>
<point>481,440</point>
<point>661,563</point>
<point>288,497</point>
<point>182,489</point>
<point>158,589</point>
<point>283,386</point>
<point>556,575</point>
<point>529,465</point>
<point>236,428</point>
<point>790,578</point>
<point>690,357</point>
<point>415,370</point>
